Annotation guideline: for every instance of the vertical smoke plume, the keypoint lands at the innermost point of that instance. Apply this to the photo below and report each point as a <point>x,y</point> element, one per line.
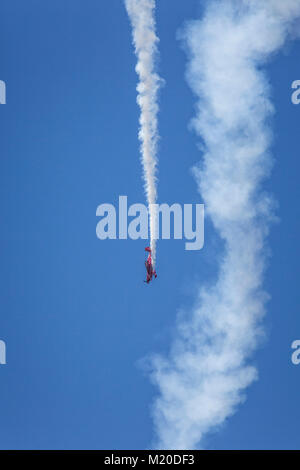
<point>141,14</point>
<point>203,379</point>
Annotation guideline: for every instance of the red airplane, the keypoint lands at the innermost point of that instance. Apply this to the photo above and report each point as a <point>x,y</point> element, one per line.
<point>149,266</point>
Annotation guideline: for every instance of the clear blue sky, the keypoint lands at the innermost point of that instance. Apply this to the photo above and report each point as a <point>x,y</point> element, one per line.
<point>75,314</point>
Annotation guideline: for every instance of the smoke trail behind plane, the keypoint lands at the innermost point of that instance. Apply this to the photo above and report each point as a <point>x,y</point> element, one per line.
<point>141,14</point>
<point>203,379</point>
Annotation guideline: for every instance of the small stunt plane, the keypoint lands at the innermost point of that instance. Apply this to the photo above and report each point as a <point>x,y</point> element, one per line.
<point>149,266</point>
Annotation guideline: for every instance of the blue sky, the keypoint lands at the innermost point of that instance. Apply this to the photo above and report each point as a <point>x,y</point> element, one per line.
<point>75,314</point>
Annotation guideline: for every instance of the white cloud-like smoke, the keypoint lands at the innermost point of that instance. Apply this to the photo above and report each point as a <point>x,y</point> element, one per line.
<point>203,380</point>
<point>141,14</point>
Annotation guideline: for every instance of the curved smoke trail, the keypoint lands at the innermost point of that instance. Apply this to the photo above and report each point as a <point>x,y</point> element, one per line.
<point>202,381</point>
<point>141,14</point>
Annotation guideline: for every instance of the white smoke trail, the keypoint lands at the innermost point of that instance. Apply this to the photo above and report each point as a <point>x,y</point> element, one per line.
<point>141,14</point>
<point>202,381</point>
